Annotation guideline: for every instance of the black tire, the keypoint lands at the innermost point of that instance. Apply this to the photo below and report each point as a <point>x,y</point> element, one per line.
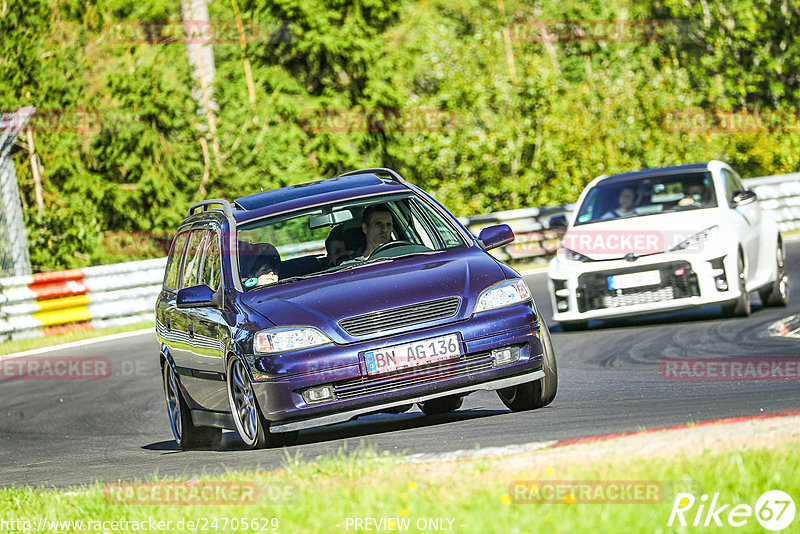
<point>776,293</point>
<point>539,393</point>
<point>251,425</point>
<point>574,326</point>
<point>187,435</point>
<point>741,306</point>
<point>442,405</point>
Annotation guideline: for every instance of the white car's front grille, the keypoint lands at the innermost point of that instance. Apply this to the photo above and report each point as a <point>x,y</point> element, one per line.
<point>643,297</point>
<point>677,281</point>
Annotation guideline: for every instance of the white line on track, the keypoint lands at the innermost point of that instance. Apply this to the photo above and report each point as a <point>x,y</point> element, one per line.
<point>81,343</point>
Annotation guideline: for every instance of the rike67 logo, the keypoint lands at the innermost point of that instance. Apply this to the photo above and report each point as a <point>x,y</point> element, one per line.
<point>774,510</point>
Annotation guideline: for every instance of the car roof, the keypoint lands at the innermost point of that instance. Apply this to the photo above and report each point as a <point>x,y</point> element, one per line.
<point>357,184</point>
<point>658,171</point>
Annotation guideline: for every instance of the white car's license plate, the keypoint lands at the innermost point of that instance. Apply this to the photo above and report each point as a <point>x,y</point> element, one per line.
<point>625,281</point>
<point>409,355</point>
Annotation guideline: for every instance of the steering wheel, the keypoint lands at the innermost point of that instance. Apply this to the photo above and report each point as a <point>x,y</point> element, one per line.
<point>391,244</point>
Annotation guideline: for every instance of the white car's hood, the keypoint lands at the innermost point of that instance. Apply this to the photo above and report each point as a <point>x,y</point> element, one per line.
<point>640,235</point>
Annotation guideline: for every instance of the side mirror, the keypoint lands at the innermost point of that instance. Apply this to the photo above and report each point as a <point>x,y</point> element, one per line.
<point>200,296</point>
<point>558,221</point>
<point>495,236</point>
<point>740,198</point>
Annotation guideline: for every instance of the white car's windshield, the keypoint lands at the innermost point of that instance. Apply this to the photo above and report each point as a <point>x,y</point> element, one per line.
<point>339,236</point>
<point>647,196</point>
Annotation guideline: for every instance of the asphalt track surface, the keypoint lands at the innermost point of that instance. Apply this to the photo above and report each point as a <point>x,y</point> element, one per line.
<point>68,432</point>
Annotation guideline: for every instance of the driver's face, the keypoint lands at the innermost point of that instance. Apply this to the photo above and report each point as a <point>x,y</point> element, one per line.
<point>379,229</point>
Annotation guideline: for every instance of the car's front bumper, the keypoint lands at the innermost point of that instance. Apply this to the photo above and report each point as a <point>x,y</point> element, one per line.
<point>357,393</point>
<point>578,291</point>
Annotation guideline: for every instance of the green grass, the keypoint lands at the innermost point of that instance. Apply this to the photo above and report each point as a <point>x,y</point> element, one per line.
<point>19,345</point>
<point>324,493</point>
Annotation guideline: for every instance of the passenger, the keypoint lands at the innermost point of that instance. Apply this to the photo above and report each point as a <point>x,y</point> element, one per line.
<point>377,225</point>
<point>692,195</point>
<point>336,248</point>
<point>626,198</point>
<point>260,264</point>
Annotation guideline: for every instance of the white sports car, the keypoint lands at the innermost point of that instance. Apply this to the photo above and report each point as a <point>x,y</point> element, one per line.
<point>666,239</point>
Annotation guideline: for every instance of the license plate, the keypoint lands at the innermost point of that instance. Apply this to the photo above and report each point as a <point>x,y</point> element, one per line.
<point>624,281</point>
<point>409,355</point>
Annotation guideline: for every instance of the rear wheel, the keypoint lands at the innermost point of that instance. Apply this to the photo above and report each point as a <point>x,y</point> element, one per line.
<point>441,405</point>
<point>252,427</point>
<point>777,293</point>
<point>741,306</point>
<point>541,392</point>
<point>187,435</point>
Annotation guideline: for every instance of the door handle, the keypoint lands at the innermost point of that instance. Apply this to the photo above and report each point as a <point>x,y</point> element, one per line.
<point>191,329</point>
<point>168,323</point>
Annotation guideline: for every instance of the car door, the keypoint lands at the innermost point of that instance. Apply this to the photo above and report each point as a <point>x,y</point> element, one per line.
<point>205,328</point>
<point>166,307</point>
<point>747,218</point>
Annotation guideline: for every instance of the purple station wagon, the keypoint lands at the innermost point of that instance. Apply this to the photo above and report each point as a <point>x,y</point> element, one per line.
<point>317,303</point>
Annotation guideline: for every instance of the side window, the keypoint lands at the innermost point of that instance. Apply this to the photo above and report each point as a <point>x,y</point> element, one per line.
<point>211,262</point>
<point>732,183</point>
<point>176,256</point>
<point>194,256</point>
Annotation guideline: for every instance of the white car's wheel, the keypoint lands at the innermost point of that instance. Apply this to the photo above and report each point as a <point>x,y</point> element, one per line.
<point>741,306</point>
<point>776,293</point>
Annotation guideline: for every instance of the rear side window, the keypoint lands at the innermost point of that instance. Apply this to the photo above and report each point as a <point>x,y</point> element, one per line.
<point>194,258</point>
<point>174,262</point>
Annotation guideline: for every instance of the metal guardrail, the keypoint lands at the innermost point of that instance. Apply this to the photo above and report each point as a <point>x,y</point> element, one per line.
<point>79,299</point>
<point>779,196</point>
<point>94,297</point>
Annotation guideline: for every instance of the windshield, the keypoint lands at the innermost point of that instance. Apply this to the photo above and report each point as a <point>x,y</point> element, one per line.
<point>647,196</point>
<point>340,236</point>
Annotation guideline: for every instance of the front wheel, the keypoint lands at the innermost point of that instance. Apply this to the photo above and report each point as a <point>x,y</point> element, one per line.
<point>741,306</point>
<point>539,393</point>
<point>187,435</point>
<point>252,427</point>
<point>777,292</point>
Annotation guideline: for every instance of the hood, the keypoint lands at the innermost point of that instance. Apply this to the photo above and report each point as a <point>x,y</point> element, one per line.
<point>642,235</point>
<point>322,301</point>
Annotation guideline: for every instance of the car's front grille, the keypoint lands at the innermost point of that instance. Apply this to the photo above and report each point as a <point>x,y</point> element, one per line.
<point>677,281</point>
<point>373,385</point>
<point>379,321</point>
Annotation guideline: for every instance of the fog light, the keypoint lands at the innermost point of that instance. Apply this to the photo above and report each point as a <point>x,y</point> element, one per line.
<point>505,355</point>
<point>318,394</point>
<point>722,284</point>
<point>562,305</point>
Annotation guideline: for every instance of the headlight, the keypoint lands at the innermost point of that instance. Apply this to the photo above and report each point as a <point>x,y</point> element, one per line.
<point>571,255</point>
<point>503,294</point>
<point>698,239</point>
<point>285,339</point>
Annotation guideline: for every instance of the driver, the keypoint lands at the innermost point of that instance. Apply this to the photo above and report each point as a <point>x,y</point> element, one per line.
<point>376,223</point>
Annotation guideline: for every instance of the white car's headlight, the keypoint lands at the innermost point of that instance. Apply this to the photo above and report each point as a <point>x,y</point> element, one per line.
<point>700,238</point>
<point>503,294</point>
<point>564,253</point>
<point>275,340</point>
